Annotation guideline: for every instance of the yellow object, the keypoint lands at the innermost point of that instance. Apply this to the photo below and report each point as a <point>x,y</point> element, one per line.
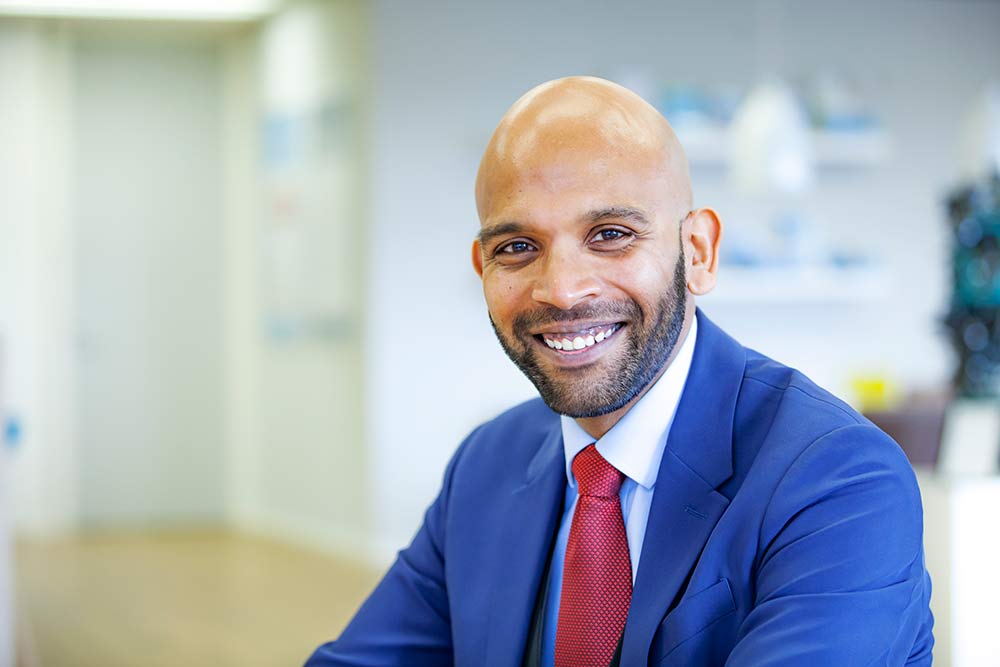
<point>875,392</point>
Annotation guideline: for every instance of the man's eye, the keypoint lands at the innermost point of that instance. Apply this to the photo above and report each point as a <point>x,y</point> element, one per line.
<point>515,247</point>
<point>609,235</point>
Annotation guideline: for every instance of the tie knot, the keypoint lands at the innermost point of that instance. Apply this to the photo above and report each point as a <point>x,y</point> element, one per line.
<point>594,475</point>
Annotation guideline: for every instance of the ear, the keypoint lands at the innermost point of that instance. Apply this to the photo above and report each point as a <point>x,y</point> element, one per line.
<point>477,258</point>
<point>702,233</point>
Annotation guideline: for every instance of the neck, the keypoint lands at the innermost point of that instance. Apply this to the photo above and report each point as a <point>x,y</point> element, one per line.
<point>597,426</point>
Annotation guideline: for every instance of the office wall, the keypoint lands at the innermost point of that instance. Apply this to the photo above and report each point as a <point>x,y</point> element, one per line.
<point>36,270</point>
<point>240,302</point>
<point>137,218</point>
<point>147,218</point>
<point>109,227</point>
<point>7,631</point>
<point>294,248</point>
<point>444,72</point>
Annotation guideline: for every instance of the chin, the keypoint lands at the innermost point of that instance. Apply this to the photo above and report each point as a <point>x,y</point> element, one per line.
<point>568,399</point>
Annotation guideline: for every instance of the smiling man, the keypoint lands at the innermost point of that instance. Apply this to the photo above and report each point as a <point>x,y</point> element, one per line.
<point>673,498</point>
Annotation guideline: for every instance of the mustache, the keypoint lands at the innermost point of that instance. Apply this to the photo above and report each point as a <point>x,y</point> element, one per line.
<point>547,315</point>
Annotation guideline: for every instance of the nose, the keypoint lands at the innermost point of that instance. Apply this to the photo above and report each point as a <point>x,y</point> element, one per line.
<point>564,280</point>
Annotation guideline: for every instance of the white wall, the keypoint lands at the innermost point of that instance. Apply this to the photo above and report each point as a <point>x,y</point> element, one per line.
<point>136,215</point>
<point>444,72</point>
<point>148,193</point>
<point>147,217</point>
<point>7,629</point>
<point>294,249</point>
<point>36,270</point>
<point>241,367</point>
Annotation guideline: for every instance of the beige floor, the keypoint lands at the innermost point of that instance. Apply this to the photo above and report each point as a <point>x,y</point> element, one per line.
<point>180,599</point>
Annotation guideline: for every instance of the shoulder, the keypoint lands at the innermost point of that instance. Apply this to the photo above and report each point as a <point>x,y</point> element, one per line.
<point>509,441</point>
<point>521,426</point>
<point>527,418</point>
<point>798,431</point>
<point>781,407</point>
<point>812,444</point>
<point>770,382</point>
<point>756,412</point>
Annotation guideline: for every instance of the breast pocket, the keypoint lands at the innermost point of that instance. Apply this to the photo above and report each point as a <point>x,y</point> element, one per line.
<point>675,639</point>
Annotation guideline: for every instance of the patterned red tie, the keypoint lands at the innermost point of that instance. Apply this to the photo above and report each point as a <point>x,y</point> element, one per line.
<point>597,572</point>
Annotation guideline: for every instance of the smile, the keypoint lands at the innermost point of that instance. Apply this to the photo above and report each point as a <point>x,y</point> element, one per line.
<point>574,341</point>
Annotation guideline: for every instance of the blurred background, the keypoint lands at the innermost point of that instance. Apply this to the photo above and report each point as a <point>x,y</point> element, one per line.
<point>240,335</point>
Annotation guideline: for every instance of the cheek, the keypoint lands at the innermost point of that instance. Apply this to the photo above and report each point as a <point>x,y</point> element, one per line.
<point>645,284</point>
<point>502,294</point>
<point>643,281</point>
<point>500,285</point>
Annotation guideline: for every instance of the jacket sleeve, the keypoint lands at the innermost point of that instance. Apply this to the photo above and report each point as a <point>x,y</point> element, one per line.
<point>406,619</point>
<point>840,579</point>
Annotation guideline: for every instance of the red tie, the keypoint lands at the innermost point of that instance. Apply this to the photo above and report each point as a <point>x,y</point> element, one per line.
<point>597,572</point>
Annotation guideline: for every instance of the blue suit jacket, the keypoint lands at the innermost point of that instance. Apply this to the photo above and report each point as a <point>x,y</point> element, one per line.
<point>785,529</point>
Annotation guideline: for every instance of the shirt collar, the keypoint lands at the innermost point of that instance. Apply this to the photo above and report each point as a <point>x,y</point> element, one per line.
<point>635,444</point>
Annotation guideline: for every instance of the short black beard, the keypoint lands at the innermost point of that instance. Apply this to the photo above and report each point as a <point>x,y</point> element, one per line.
<point>648,348</point>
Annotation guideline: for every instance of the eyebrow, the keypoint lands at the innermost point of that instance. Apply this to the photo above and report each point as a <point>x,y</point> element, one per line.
<point>487,234</point>
<point>625,212</point>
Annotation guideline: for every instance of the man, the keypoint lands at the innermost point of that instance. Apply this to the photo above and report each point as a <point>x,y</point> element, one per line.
<point>731,512</point>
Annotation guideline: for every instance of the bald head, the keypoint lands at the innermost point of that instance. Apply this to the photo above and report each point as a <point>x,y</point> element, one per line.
<point>587,236</point>
<point>569,126</point>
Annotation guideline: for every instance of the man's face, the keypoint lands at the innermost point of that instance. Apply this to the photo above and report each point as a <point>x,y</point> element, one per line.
<point>584,276</point>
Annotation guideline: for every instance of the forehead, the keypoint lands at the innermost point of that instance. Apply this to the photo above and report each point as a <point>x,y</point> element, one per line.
<point>571,179</point>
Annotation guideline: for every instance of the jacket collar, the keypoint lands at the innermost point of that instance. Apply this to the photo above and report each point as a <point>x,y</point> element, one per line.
<point>702,433</point>
<point>686,505</point>
<point>531,513</point>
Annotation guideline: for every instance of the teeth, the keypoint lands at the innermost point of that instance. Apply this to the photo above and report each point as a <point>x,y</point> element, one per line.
<point>579,342</point>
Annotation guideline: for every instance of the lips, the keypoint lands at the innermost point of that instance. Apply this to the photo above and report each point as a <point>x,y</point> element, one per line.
<point>572,341</point>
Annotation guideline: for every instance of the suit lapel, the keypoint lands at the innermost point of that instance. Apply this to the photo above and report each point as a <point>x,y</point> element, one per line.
<point>683,513</point>
<point>529,527</point>
<point>685,505</point>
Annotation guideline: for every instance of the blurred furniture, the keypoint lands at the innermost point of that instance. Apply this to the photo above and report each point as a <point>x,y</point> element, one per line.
<point>917,425</point>
<point>962,547</point>
<point>953,445</point>
<point>954,436</point>
<point>970,443</point>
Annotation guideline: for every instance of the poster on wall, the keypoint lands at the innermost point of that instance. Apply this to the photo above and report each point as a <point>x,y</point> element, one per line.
<point>309,247</point>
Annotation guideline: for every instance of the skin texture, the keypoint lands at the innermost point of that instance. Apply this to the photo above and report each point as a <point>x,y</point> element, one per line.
<point>584,201</point>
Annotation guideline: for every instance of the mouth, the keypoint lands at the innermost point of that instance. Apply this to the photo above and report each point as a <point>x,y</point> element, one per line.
<point>577,341</point>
